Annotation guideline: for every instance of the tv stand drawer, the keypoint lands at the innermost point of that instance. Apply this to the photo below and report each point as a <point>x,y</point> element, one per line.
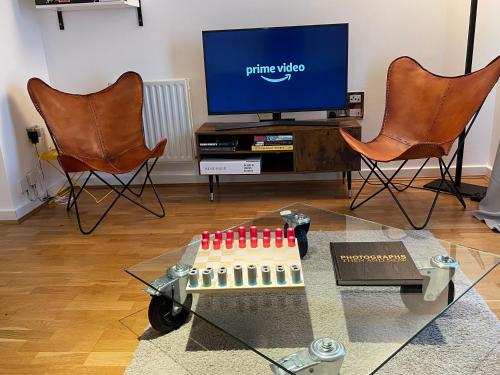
<point>324,150</point>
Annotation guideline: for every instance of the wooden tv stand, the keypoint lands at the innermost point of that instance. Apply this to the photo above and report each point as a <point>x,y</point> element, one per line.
<point>316,148</point>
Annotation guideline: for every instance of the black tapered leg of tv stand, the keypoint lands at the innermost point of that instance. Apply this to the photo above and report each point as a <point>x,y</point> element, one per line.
<point>211,186</point>
<point>349,184</point>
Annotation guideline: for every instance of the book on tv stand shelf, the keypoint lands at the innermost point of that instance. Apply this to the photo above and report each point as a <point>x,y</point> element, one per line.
<point>223,166</point>
<point>373,264</point>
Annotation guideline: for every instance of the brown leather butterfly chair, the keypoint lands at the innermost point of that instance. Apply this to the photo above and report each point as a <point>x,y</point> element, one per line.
<point>424,115</point>
<point>99,132</point>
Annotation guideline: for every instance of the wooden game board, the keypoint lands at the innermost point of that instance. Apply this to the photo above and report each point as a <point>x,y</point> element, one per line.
<point>259,256</point>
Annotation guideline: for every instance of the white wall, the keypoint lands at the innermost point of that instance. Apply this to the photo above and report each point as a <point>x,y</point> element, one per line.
<point>22,57</point>
<point>5,197</point>
<point>97,46</point>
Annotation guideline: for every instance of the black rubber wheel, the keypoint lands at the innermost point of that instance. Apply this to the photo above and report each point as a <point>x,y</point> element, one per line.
<point>414,299</point>
<point>160,314</point>
<point>301,236</point>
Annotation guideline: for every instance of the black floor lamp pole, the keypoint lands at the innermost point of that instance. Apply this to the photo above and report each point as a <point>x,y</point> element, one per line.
<point>468,69</point>
<point>468,190</point>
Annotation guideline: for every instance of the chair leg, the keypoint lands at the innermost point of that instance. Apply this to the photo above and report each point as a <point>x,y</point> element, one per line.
<point>372,167</point>
<point>119,193</point>
<point>451,184</point>
<point>70,197</point>
<point>387,183</point>
<point>381,175</point>
<point>143,183</point>
<point>127,186</point>
<point>71,202</point>
<point>413,178</point>
<point>77,211</point>
<point>349,184</point>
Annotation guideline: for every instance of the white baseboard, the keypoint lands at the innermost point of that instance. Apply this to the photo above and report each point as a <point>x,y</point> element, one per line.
<point>177,175</point>
<point>7,215</point>
<point>28,206</point>
<point>489,170</point>
<point>165,177</point>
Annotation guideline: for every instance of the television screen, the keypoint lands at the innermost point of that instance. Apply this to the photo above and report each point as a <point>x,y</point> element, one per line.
<point>278,69</point>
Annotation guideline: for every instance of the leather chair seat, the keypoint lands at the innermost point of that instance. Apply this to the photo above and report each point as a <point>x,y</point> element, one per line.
<point>384,148</point>
<point>122,163</point>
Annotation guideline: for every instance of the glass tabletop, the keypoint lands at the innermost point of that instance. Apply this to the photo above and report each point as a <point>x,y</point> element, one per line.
<point>358,328</point>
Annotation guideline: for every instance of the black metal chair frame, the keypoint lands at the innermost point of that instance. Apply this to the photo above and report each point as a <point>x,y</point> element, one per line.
<point>121,192</point>
<point>387,182</point>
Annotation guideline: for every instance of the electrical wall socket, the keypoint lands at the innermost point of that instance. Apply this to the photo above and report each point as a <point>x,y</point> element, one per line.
<point>34,178</point>
<point>38,129</point>
<point>355,112</point>
<point>355,98</point>
<point>32,184</point>
<point>355,106</point>
<point>24,185</point>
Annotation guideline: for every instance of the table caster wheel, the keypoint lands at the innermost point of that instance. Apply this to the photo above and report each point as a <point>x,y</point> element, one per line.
<point>413,298</point>
<point>162,315</point>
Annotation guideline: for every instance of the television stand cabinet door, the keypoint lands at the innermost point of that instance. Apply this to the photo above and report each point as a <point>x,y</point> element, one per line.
<point>324,150</point>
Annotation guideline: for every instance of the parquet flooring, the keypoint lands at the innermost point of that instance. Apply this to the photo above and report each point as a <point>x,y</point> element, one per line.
<point>62,294</point>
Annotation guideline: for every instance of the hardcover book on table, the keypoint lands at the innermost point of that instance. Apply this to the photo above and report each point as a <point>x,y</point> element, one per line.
<point>373,264</point>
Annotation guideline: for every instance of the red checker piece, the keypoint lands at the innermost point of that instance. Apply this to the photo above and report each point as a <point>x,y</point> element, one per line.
<point>242,242</point>
<point>253,242</point>
<point>242,232</point>
<point>279,242</point>
<point>216,244</point>
<point>205,244</point>
<point>253,231</point>
<point>266,241</point>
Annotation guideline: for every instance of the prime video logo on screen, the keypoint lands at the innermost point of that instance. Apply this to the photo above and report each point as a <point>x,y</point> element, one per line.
<point>286,68</point>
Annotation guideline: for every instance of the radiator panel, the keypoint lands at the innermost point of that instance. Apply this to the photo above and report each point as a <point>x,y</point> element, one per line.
<point>167,114</point>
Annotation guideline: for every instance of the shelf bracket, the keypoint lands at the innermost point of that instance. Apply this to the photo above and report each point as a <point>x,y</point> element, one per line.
<point>139,14</point>
<point>60,19</point>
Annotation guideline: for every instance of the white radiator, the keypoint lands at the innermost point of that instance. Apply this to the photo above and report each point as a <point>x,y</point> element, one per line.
<point>167,114</point>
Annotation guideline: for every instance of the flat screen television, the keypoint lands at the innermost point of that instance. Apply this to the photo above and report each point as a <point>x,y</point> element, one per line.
<point>276,69</point>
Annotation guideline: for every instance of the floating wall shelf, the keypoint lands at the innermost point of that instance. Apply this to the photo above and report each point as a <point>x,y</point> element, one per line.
<point>103,4</point>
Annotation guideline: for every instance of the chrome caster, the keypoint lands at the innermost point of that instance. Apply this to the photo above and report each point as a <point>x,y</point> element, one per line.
<point>438,289</point>
<point>170,305</point>
<point>323,357</point>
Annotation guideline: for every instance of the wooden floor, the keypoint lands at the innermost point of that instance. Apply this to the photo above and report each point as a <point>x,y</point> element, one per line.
<point>62,294</point>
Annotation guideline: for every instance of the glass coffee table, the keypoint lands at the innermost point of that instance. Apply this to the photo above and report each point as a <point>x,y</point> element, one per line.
<point>319,329</point>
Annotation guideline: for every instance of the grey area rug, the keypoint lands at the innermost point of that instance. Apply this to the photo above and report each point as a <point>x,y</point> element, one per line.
<point>464,340</point>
